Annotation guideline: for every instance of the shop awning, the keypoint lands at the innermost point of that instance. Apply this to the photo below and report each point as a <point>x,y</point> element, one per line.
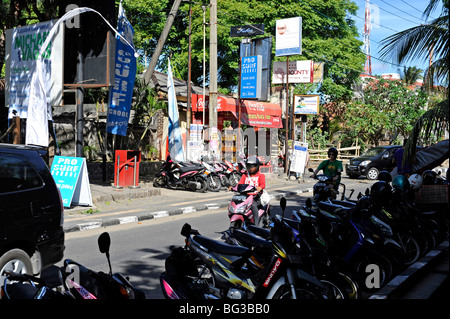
<point>253,113</point>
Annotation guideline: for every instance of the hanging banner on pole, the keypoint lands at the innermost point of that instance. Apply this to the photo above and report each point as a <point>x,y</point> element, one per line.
<point>125,74</point>
<point>71,177</point>
<point>175,139</point>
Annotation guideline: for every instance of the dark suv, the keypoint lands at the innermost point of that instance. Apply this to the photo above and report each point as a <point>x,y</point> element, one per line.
<point>31,211</point>
<point>372,162</point>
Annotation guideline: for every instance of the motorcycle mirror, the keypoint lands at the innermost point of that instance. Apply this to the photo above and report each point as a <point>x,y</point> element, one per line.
<point>283,204</point>
<point>186,230</point>
<point>104,241</point>
<point>310,170</point>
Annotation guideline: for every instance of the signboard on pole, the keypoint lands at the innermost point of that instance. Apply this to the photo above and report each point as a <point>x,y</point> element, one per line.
<point>288,37</point>
<point>71,177</point>
<point>251,69</point>
<point>247,30</point>
<point>306,104</point>
<point>299,72</point>
<point>299,156</point>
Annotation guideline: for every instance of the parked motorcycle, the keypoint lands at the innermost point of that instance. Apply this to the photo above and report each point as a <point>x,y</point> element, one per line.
<point>72,281</point>
<point>178,176</point>
<point>210,269</point>
<point>239,210</point>
<point>338,284</point>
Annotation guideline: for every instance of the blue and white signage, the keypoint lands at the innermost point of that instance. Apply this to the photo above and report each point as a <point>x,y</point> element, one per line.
<point>125,73</point>
<point>71,177</point>
<point>288,37</point>
<point>251,70</point>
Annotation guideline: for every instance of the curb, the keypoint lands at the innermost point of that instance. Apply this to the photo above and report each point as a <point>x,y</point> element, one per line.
<point>164,213</point>
<point>410,276</point>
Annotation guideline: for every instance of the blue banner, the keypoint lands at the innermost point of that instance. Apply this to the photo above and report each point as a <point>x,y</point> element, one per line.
<point>125,74</point>
<point>251,69</point>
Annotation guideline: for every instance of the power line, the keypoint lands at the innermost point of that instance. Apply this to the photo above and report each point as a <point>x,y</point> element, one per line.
<point>401,10</point>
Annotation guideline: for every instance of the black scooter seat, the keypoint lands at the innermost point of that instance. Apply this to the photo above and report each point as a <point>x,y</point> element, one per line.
<point>252,240</point>
<point>185,169</point>
<point>222,248</point>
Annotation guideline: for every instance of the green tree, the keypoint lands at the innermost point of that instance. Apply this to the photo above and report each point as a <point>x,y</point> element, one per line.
<point>389,107</point>
<point>328,36</point>
<point>411,74</point>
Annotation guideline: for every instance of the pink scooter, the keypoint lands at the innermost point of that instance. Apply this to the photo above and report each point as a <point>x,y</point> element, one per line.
<point>239,210</point>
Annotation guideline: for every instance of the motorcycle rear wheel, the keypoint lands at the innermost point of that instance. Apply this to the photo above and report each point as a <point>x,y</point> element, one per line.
<point>214,183</point>
<point>203,184</point>
<point>160,181</point>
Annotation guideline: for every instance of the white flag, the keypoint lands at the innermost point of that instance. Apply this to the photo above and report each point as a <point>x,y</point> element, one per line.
<point>175,140</point>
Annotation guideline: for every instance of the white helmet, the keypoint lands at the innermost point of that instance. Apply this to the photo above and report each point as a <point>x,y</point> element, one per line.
<point>416,181</point>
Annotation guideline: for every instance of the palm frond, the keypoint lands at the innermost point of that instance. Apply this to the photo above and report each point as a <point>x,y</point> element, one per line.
<point>432,124</point>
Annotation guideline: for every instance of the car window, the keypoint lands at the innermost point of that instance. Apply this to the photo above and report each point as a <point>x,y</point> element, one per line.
<point>16,173</point>
<point>373,151</point>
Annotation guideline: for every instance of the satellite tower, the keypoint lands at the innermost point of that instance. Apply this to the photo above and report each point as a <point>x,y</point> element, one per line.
<point>367,28</point>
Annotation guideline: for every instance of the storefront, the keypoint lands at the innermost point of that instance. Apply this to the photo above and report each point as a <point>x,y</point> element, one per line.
<point>253,113</point>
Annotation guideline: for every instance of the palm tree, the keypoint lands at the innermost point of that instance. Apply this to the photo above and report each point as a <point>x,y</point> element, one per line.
<point>411,74</point>
<point>423,41</point>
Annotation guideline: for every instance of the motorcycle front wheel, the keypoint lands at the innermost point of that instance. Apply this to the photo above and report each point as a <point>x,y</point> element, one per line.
<point>214,183</point>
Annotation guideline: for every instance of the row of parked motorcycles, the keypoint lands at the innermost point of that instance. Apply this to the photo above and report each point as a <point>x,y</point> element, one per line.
<point>329,248</point>
<point>204,175</point>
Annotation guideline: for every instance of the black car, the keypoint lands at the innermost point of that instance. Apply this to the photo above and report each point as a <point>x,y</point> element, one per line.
<point>373,161</point>
<point>31,212</point>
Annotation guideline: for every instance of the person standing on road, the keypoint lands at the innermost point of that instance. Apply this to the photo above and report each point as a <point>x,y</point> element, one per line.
<point>331,167</point>
<point>258,180</point>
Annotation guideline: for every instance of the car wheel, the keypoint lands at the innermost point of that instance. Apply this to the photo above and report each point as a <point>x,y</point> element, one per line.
<point>15,260</point>
<point>372,173</point>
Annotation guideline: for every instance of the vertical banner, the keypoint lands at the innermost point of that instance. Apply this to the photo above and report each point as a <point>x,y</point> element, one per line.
<point>175,140</point>
<point>251,69</point>
<point>288,37</point>
<point>125,74</point>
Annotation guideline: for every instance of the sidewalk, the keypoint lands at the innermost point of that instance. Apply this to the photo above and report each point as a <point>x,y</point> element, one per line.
<point>112,206</point>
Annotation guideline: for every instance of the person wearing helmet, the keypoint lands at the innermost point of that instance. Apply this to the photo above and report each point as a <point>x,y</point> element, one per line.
<point>256,178</point>
<point>331,167</point>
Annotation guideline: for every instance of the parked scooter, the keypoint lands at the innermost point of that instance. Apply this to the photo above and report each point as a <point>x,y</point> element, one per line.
<point>239,210</point>
<point>209,269</point>
<point>178,176</point>
<point>72,281</point>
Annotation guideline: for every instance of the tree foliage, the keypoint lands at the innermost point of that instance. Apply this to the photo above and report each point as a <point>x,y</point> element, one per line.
<point>389,108</point>
<point>328,36</point>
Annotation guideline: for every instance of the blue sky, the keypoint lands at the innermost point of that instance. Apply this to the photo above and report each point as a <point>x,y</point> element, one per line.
<point>389,17</point>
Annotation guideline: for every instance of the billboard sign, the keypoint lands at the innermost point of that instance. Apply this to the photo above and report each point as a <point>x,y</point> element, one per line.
<point>299,72</point>
<point>247,30</point>
<point>251,69</point>
<point>306,104</point>
<point>288,37</point>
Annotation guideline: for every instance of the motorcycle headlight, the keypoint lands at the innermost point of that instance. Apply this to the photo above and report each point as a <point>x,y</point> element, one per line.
<point>364,163</point>
<point>240,210</point>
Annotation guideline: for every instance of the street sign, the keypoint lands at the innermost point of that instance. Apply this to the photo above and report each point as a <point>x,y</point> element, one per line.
<point>247,30</point>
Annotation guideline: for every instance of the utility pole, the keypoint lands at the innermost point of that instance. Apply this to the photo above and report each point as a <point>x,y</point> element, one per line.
<point>213,65</point>
<point>162,39</point>
<point>188,115</point>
